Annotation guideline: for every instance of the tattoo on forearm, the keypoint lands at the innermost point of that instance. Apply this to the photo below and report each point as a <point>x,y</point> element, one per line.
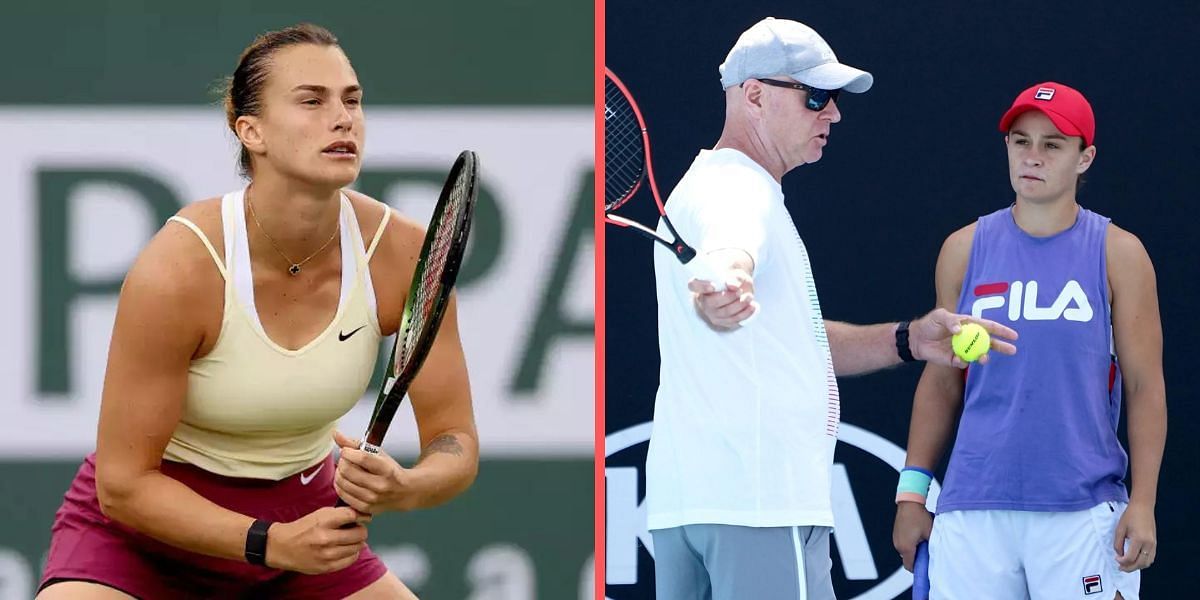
<point>446,443</point>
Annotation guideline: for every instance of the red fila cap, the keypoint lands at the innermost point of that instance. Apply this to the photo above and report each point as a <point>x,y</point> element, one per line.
<point>1066,107</point>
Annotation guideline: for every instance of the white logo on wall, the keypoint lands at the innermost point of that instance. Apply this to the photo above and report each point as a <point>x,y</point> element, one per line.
<point>625,525</point>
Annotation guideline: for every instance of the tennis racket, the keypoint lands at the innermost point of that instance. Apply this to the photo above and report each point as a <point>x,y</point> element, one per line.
<point>428,295</point>
<point>920,588</point>
<point>627,166</point>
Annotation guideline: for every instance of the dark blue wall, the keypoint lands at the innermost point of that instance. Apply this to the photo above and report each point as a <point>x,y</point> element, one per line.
<point>914,159</point>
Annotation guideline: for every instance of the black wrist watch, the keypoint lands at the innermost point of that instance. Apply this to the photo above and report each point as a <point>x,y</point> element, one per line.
<point>256,543</point>
<point>902,348</point>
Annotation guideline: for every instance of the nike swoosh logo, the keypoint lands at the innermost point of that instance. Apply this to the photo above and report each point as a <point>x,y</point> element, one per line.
<point>305,479</point>
<point>345,336</point>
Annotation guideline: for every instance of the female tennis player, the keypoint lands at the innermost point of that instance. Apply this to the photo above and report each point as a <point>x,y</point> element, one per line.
<point>1034,503</point>
<point>245,329</point>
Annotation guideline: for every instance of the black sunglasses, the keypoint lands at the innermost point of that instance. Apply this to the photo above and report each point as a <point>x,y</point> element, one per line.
<point>817,97</point>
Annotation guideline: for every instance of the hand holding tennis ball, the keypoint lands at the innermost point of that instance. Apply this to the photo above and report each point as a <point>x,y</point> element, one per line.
<point>932,338</point>
<point>971,342</point>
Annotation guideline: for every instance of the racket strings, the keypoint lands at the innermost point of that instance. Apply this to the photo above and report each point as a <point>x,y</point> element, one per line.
<point>624,153</point>
<point>429,291</point>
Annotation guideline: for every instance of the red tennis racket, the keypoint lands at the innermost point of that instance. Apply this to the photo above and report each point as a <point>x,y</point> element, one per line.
<point>627,165</point>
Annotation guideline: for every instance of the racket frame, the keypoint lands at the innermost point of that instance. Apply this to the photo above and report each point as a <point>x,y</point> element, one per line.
<point>396,385</point>
<point>679,248</point>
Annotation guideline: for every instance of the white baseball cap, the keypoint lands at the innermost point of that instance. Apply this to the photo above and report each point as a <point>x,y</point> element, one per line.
<point>774,47</point>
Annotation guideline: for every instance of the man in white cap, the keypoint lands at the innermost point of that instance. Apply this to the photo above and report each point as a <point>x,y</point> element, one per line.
<point>746,416</point>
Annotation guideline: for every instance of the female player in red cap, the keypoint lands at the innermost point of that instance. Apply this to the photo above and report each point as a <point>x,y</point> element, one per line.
<point>1034,502</point>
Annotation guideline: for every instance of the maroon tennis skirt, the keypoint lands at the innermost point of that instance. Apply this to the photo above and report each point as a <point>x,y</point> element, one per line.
<point>85,545</point>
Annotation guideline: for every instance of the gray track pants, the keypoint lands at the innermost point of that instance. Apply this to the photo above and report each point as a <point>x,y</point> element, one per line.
<point>728,562</point>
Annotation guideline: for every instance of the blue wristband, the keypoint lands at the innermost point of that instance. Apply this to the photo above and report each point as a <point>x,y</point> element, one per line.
<point>927,473</point>
<point>914,480</point>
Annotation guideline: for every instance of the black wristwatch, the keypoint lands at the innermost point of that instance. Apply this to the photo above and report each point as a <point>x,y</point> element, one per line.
<point>256,543</point>
<point>902,348</point>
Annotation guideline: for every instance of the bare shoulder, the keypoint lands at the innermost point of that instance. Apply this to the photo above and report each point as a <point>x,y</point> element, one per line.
<point>1123,246</point>
<point>1128,262</point>
<point>956,253</point>
<point>958,244</point>
<point>206,213</point>
<point>952,266</point>
<point>175,261</point>
<point>402,236</point>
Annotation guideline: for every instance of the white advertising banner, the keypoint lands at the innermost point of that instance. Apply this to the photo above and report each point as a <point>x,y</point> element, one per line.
<point>84,189</point>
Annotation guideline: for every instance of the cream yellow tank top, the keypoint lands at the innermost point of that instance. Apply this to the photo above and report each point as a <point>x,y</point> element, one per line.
<point>256,409</point>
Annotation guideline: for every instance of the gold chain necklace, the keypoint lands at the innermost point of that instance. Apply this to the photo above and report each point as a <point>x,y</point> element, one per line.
<point>294,269</point>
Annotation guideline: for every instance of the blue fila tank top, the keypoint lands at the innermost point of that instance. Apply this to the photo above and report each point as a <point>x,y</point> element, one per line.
<point>1038,430</point>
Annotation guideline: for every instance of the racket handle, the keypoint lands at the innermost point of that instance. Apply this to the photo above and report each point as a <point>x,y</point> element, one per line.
<point>339,504</point>
<point>703,268</point>
<point>365,446</point>
<point>920,588</point>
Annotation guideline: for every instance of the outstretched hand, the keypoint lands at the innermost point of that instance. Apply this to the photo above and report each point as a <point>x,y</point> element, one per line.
<point>929,337</point>
<point>727,308</point>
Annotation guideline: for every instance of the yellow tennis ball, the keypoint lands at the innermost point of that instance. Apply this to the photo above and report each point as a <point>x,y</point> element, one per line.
<point>971,342</point>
